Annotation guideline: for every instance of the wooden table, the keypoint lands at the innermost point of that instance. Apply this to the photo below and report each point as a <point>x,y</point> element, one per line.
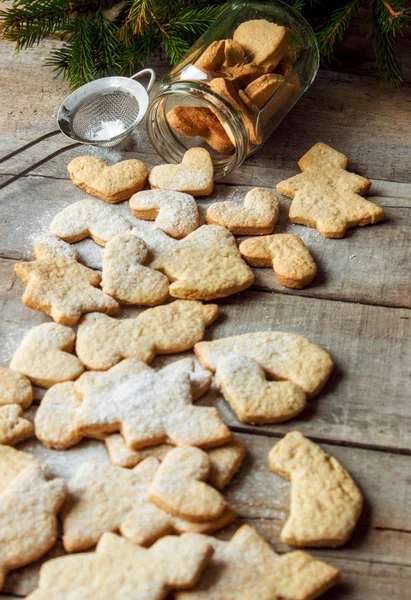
<point>357,308</point>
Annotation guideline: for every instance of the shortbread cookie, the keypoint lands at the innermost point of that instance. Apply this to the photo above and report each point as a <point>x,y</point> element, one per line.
<point>44,355</point>
<point>28,523</point>
<point>257,215</point>
<point>194,175</point>
<point>263,41</point>
<point>259,91</point>
<point>199,120</point>
<point>105,498</point>
<point>221,54</point>
<point>157,242</point>
<point>173,212</point>
<point>179,486</point>
<point>206,265</point>
<point>287,254</point>
<point>13,428</point>
<point>254,399</point>
<point>283,356</point>
<point>243,74</point>
<point>52,246</point>
<point>111,184</point>
<point>226,89</point>
<point>13,461</point>
<point>120,569</point>
<point>325,502</point>
<point>125,277</point>
<point>326,196</point>
<point>56,417</point>
<point>149,407</point>
<point>102,341</point>
<point>55,420</point>
<point>63,289</point>
<point>225,460</point>
<point>88,218</point>
<point>247,567</point>
<point>15,388</point>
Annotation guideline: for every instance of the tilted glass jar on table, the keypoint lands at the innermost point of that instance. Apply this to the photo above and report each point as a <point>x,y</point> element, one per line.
<point>236,84</point>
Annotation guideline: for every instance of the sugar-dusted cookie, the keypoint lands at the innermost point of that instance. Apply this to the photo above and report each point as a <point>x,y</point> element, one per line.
<point>125,277</point>
<point>175,213</point>
<point>194,175</point>
<point>105,498</point>
<point>13,461</point>
<point>52,246</point>
<point>148,407</point>
<point>120,569</point>
<point>287,254</point>
<point>327,196</point>
<point>254,399</point>
<point>157,242</point>
<point>206,265</point>
<point>88,218</point>
<point>56,417</point>
<point>55,420</point>
<point>111,184</point>
<point>44,355</point>
<point>256,216</point>
<point>225,460</point>
<point>63,289</point>
<point>247,567</point>
<point>283,356</point>
<point>325,502</point>
<point>13,427</point>
<point>179,486</point>
<point>258,92</point>
<point>28,523</point>
<point>263,41</point>
<point>199,120</point>
<point>102,341</point>
<point>15,388</point>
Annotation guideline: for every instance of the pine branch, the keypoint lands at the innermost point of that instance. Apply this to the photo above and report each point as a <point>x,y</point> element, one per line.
<point>336,27</point>
<point>388,21</point>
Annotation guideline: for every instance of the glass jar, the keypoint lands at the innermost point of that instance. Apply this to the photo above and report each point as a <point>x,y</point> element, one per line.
<point>232,108</point>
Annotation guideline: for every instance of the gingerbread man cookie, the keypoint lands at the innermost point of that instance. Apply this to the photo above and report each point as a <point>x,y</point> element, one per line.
<point>44,355</point>
<point>325,502</point>
<point>287,254</point>
<point>88,218</point>
<point>125,277</point>
<point>257,216</point>
<point>63,289</point>
<point>111,184</point>
<point>195,174</point>
<point>326,196</point>
<point>175,213</point>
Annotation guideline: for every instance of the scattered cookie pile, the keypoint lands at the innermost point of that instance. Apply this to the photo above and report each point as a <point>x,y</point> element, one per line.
<point>247,72</point>
<point>170,458</point>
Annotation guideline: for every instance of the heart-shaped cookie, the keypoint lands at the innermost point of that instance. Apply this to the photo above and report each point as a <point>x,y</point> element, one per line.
<point>109,183</point>
<point>256,216</point>
<point>194,175</point>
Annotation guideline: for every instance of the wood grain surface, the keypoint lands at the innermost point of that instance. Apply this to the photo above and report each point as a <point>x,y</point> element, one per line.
<point>357,307</point>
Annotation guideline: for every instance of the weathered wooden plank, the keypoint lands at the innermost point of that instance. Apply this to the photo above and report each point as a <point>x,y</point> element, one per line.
<point>355,113</point>
<point>261,498</point>
<point>369,265</point>
<point>366,400</point>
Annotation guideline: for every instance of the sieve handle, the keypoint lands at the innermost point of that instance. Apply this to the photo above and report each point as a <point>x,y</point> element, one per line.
<point>146,72</point>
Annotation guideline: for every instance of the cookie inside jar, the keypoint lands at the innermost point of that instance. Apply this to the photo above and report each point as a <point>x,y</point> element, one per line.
<point>235,85</point>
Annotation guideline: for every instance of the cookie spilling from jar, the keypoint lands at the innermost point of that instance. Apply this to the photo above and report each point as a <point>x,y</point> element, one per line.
<point>253,72</point>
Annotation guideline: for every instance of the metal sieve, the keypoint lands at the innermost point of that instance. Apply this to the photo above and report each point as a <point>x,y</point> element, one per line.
<point>101,113</point>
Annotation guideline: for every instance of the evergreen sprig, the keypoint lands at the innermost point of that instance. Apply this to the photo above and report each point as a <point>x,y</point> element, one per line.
<point>106,36</point>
